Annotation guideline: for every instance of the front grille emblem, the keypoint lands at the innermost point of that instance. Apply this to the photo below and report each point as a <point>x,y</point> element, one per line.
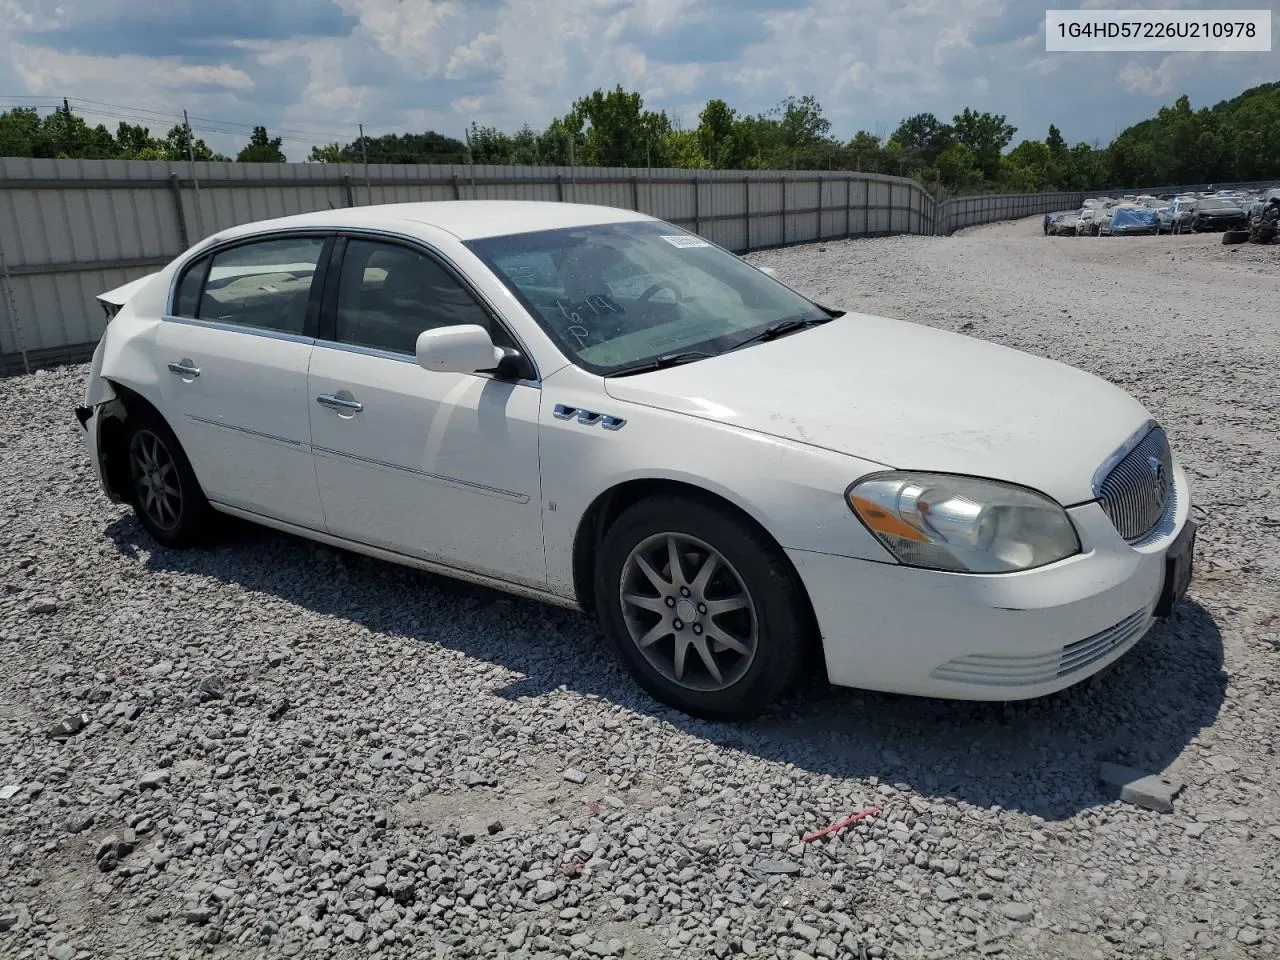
<point>1159,477</point>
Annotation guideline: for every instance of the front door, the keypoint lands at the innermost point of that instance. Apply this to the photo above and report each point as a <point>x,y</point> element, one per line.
<point>442,466</point>
<point>234,358</point>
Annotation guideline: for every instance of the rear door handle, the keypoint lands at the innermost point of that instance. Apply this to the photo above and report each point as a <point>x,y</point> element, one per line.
<point>184,368</point>
<point>339,403</point>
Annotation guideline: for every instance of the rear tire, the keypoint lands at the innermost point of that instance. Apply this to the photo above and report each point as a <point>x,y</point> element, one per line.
<point>715,621</point>
<point>1235,236</point>
<point>163,489</point>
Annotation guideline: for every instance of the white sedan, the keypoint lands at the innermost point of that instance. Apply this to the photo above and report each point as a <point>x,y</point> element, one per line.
<point>595,408</point>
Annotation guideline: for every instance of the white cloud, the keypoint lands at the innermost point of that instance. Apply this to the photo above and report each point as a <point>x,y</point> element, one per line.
<point>1161,79</point>
<point>481,55</point>
<point>49,72</point>
<point>415,32</point>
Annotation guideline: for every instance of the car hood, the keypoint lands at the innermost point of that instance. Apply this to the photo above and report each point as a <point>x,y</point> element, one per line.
<point>910,397</point>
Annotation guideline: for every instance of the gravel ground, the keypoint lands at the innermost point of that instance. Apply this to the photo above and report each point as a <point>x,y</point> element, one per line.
<point>268,748</point>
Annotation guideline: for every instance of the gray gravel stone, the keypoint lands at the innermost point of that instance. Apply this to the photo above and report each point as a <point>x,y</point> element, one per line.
<point>1152,791</point>
<point>1021,912</point>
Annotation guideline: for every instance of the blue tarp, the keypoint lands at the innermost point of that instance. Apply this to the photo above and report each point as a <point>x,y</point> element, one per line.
<point>1127,218</point>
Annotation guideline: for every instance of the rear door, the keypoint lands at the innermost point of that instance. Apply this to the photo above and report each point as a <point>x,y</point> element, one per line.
<point>233,354</point>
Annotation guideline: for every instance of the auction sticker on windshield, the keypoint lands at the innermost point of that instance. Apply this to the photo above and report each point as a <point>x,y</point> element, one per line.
<point>685,240</point>
<point>1219,31</point>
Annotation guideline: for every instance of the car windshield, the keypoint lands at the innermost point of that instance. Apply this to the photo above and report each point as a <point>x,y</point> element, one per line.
<point>615,296</point>
<point>1214,204</point>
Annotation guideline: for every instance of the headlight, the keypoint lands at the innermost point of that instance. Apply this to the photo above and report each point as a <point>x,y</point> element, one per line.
<point>960,523</point>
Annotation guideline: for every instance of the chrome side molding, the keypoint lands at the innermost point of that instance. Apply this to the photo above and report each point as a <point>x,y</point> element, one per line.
<point>588,418</point>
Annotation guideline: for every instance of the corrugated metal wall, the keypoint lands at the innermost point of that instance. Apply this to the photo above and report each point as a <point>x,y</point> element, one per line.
<point>70,229</point>
<point>963,212</point>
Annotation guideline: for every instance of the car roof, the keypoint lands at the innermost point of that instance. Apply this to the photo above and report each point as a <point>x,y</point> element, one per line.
<point>465,219</point>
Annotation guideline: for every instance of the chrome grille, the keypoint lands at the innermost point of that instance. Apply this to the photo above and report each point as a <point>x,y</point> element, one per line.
<point>1138,490</point>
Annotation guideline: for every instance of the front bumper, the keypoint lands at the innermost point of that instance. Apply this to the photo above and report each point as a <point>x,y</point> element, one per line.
<point>983,637</point>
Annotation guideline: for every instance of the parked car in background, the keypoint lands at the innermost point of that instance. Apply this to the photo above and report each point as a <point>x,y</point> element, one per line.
<point>1090,217</point>
<point>1218,214</point>
<point>1064,225</point>
<point>1180,212</point>
<point>591,407</point>
<point>1131,221</point>
<point>1051,219</point>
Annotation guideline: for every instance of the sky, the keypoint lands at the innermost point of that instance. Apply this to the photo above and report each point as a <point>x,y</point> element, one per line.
<point>311,70</point>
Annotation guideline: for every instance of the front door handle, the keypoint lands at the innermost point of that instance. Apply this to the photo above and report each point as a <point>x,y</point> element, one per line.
<point>184,368</point>
<point>339,403</point>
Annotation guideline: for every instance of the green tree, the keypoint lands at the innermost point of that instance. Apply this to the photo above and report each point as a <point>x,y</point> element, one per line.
<point>681,148</point>
<point>489,145</point>
<point>329,153</point>
<point>864,153</point>
<point>922,138</point>
<point>136,143</point>
<point>1028,167</point>
<point>66,134</point>
<point>261,148</point>
<point>619,132</point>
<point>722,142</point>
<point>802,121</point>
<point>959,169</point>
<point>986,135</point>
<point>1131,161</point>
<point>181,144</point>
<point>21,133</point>
<point>1057,146</point>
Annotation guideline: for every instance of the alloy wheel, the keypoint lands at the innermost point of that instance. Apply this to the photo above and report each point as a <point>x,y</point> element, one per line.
<point>155,479</point>
<point>688,612</point>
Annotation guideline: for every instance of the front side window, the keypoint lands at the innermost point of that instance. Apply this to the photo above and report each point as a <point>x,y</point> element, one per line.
<point>388,294</point>
<point>264,284</point>
<point>616,295</point>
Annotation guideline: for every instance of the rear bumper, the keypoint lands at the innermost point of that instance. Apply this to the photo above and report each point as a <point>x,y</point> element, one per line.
<point>89,419</point>
<point>976,637</point>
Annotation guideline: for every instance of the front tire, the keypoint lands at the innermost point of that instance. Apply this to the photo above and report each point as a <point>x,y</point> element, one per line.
<point>702,608</point>
<point>164,492</point>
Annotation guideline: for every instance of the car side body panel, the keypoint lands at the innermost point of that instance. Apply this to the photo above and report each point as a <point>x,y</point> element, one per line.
<point>794,491</point>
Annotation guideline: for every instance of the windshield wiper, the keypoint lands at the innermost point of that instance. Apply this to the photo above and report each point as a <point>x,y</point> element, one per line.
<point>781,328</point>
<point>661,363</point>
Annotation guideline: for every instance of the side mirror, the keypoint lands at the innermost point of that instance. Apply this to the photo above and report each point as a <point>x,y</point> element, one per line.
<point>465,348</point>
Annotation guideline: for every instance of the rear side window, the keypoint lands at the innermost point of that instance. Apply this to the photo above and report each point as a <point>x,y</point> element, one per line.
<point>265,285</point>
<point>187,300</point>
